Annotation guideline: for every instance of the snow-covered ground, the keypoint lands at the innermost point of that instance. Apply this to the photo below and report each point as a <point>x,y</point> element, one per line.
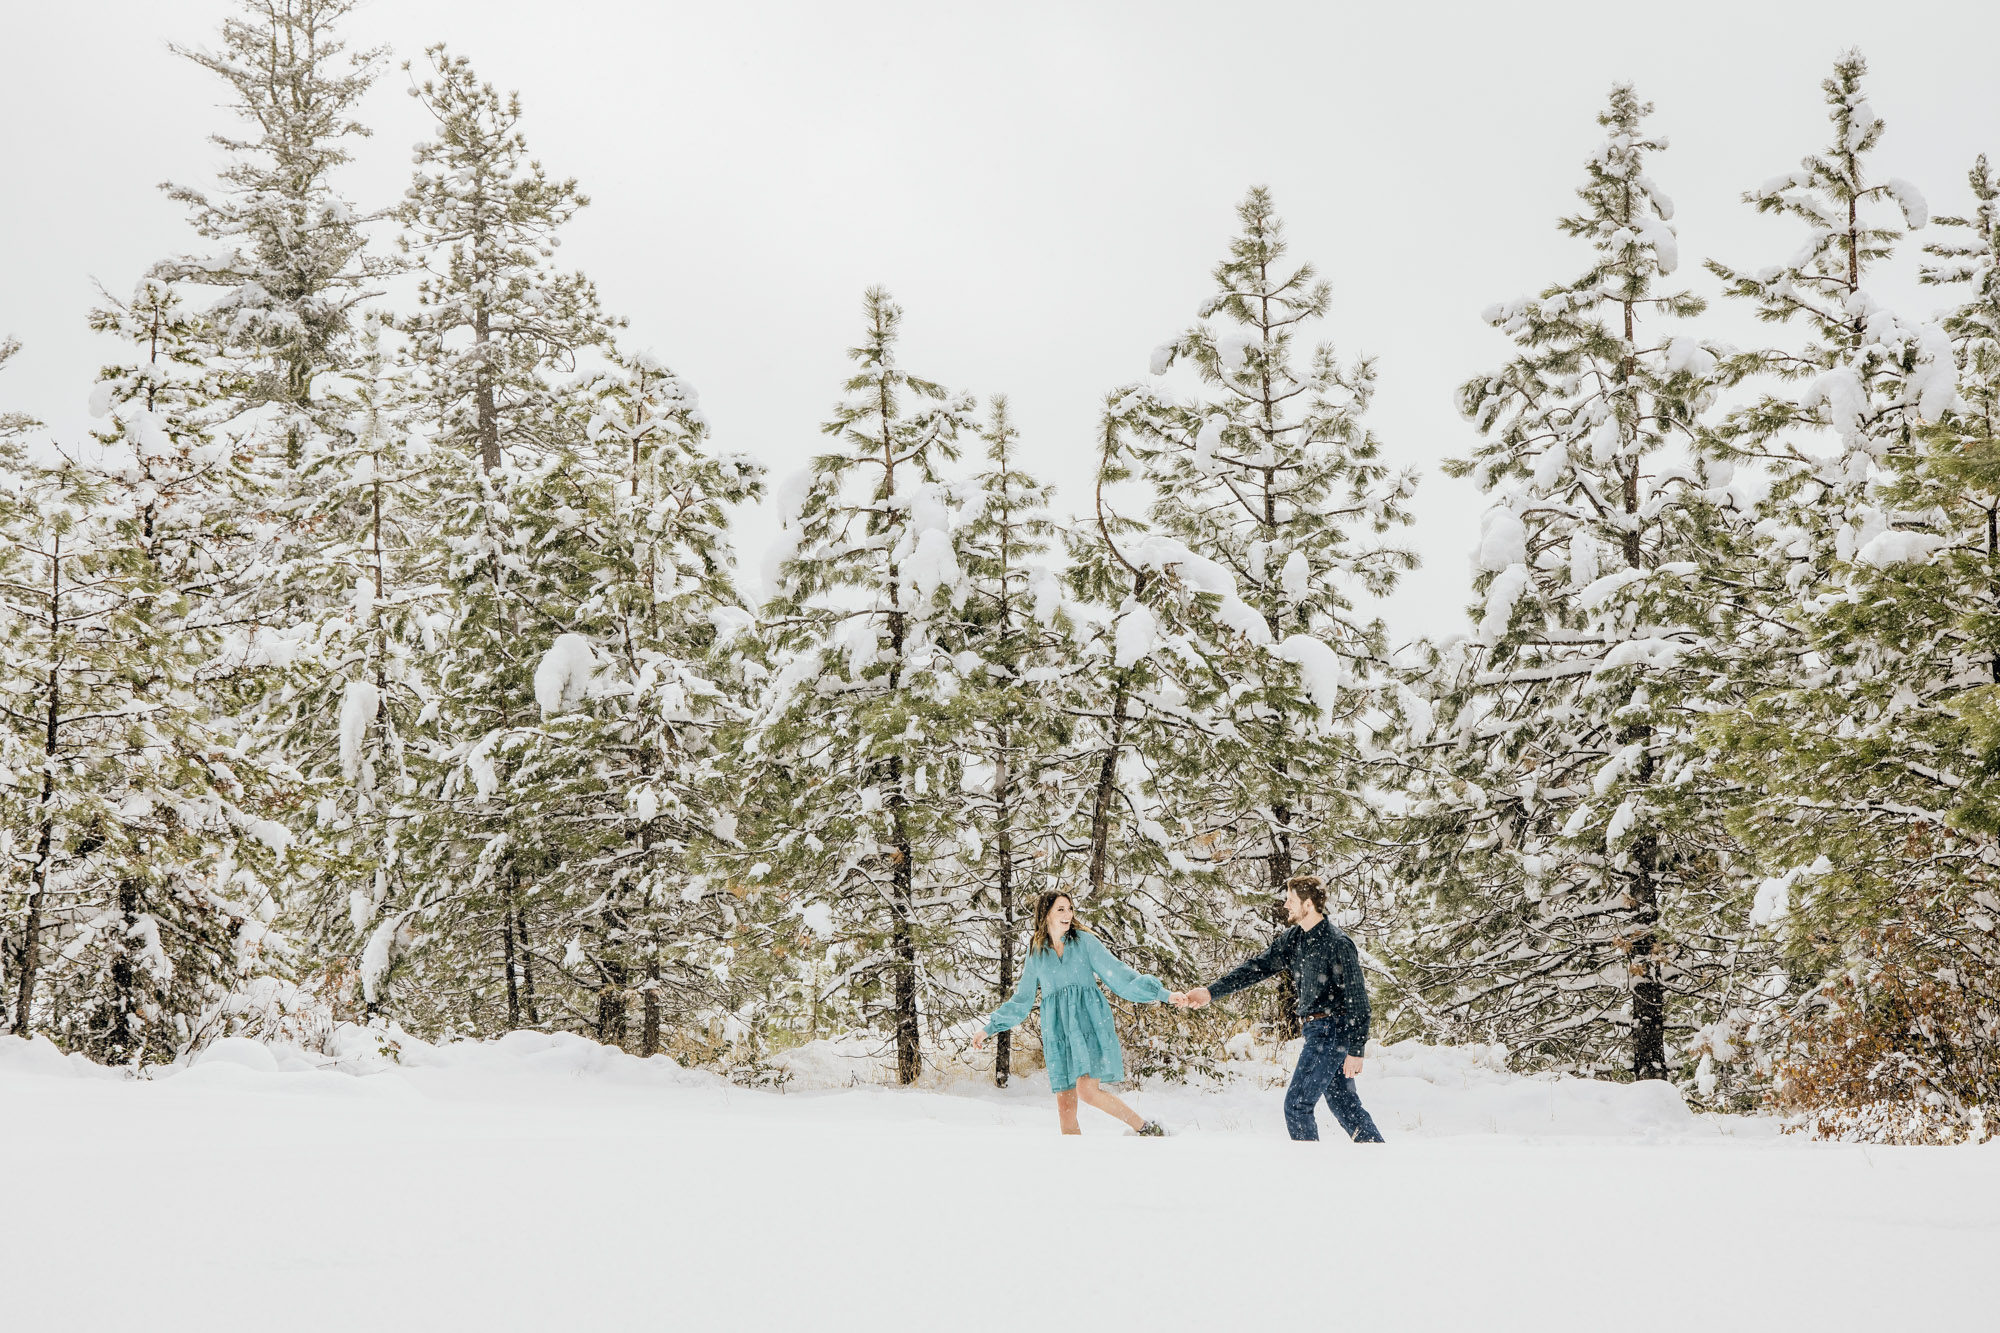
<point>547,1183</point>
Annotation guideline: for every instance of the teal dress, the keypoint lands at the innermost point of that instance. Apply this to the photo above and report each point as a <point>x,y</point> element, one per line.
<point>1079,1039</point>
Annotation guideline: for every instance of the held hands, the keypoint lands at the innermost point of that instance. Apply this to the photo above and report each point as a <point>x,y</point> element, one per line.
<point>1190,999</point>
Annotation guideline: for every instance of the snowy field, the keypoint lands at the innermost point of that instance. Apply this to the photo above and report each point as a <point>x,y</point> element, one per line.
<point>547,1183</point>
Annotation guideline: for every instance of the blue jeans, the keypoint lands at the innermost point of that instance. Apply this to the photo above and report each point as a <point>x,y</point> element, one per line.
<point>1318,1075</point>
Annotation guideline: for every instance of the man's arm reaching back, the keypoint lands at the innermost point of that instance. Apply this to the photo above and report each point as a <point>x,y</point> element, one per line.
<point>1255,968</point>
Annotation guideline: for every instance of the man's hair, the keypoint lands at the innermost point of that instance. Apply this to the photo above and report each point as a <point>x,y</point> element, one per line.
<point>1310,887</point>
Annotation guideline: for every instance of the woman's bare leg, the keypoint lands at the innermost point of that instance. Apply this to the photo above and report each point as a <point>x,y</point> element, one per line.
<point>1066,1111</point>
<point>1092,1092</point>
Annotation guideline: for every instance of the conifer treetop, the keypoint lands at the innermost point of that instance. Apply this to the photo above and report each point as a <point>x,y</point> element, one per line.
<point>13,425</point>
<point>1272,471</point>
<point>296,265</point>
<point>484,219</point>
<point>1833,194</point>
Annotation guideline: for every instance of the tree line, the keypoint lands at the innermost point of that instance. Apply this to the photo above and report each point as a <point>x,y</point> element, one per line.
<point>384,659</point>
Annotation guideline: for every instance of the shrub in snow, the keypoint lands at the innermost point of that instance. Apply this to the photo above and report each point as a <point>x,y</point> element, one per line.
<point>1903,1045</point>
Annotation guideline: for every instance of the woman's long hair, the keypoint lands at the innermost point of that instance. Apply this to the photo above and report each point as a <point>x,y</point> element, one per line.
<point>1039,938</point>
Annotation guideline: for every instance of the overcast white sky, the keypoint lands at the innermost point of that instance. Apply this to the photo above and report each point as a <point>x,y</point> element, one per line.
<point>1044,187</point>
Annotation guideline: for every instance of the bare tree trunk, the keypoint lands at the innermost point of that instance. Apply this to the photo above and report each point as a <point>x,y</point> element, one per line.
<point>484,400</point>
<point>1107,783</point>
<point>1649,991</point>
<point>649,1023</point>
<point>1285,1024</point>
<point>124,980</point>
<point>31,940</point>
<point>527,967</point>
<point>903,939</point>
<point>513,990</point>
<point>612,1014</point>
<point>1004,846</point>
<point>614,981</point>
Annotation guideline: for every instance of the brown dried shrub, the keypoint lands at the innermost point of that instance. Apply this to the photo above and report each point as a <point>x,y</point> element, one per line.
<point>1904,1045</point>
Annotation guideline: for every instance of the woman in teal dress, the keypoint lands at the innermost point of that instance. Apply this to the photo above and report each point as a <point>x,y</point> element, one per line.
<point>1079,1040</point>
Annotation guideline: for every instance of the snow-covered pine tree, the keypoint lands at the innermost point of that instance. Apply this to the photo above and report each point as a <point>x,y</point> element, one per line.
<point>856,750</point>
<point>20,753</point>
<point>288,269</point>
<point>496,327</point>
<point>200,493</point>
<point>1566,823</point>
<point>1144,701</point>
<point>1881,741</point>
<point>357,672</point>
<point>1843,650</point>
<point>1149,626</point>
<point>1873,377</point>
<point>294,263</point>
<point>1270,472</point>
<point>152,849</point>
<point>624,776</point>
<point>1014,626</point>
<point>13,425</point>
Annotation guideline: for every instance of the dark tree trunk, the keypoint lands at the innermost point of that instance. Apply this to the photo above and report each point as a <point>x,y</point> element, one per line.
<point>527,967</point>
<point>903,939</point>
<point>649,1023</point>
<point>1285,1023</point>
<point>611,1012</point>
<point>507,962</point>
<point>1285,1017</point>
<point>30,964</point>
<point>1107,783</point>
<point>1004,846</point>
<point>484,399</point>
<point>1649,991</point>
<point>614,981</point>
<point>124,980</point>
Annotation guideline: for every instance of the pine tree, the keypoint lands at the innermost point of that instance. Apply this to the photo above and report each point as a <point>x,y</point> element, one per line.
<point>1878,829</point>
<point>1874,376</point>
<point>1015,627</point>
<point>22,750</point>
<point>1152,624</point>
<point>13,425</point>
<point>152,853</point>
<point>295,263</point>
<point>357,675</point>
<point>1568,819</point>
<point>1845,653</point>
<point>496,328</point>
<point>856,750</point>
<point>624,775</point>
<point>1271,474</point>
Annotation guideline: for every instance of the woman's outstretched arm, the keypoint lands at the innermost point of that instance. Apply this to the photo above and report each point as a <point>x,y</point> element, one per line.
<point>1015,1011</point>
<point>1124,981</point>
